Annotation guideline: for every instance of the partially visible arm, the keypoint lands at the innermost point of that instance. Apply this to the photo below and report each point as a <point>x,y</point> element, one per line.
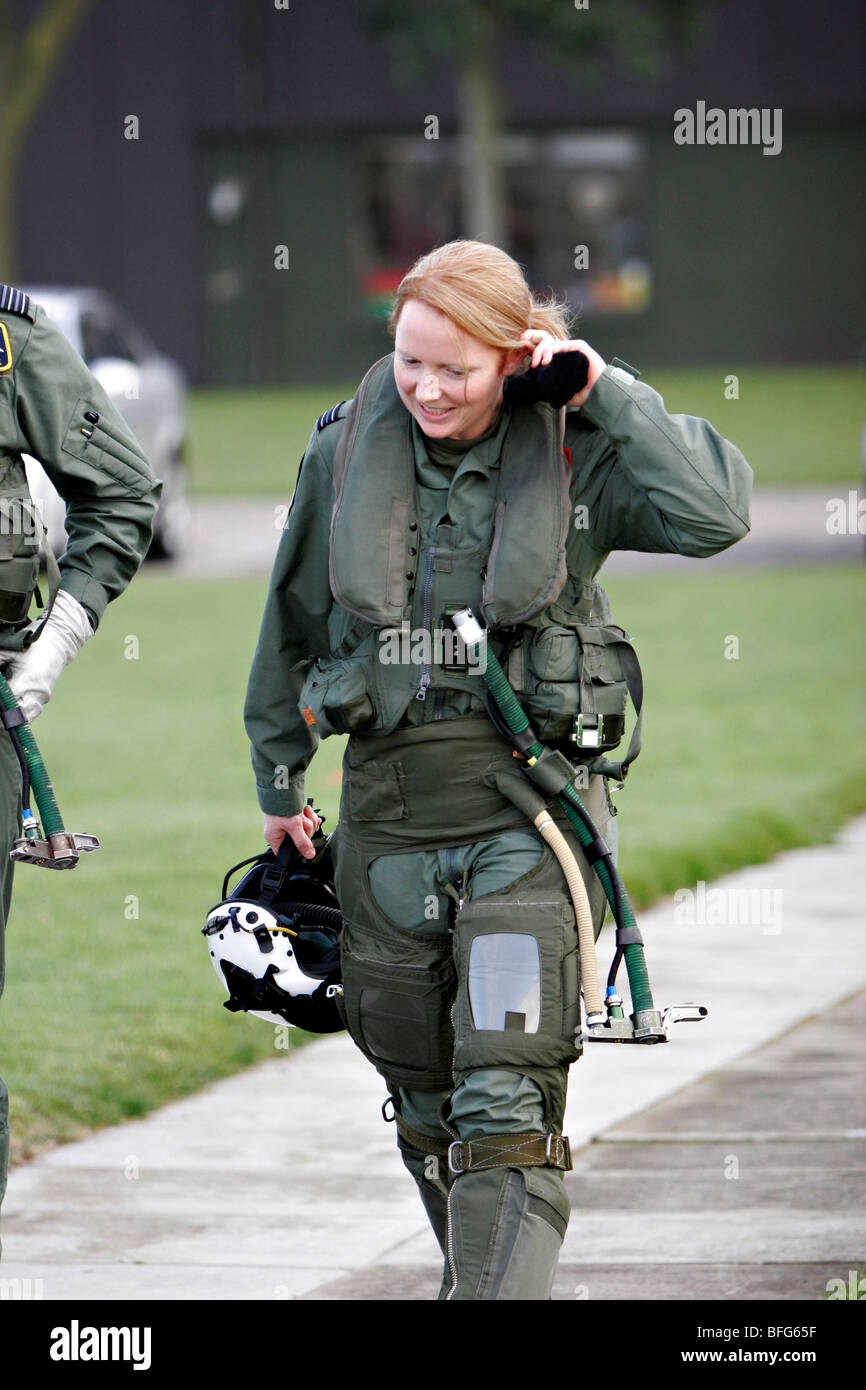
<point>294,630</point>
<point>55,409</point>
<point>97,466</point>
<point>654,481</point>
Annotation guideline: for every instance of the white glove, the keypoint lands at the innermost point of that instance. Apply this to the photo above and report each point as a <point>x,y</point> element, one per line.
<point>33,673</point>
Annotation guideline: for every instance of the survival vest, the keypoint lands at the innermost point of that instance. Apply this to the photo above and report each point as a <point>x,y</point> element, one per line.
<point>563,663</point>
<point>375,459</point>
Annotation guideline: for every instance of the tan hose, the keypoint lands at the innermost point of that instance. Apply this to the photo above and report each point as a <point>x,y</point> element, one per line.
<point>551,833</point>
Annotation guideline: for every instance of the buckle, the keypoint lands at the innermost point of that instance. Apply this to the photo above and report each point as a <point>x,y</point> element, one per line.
<point>562,1158</point>
<point>597,730</point>
<point>458,1144</point>
<point>588,731</point>
<point>270,883</point>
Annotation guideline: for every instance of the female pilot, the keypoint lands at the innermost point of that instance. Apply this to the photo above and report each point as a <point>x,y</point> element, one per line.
<point>445,484</point>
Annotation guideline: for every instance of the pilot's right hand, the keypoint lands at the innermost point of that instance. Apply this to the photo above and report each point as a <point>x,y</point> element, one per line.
<point>298,828</point>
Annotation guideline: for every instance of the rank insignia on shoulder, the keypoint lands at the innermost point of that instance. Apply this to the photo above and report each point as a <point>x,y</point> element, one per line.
<point>5,349</point>
<point>14,301</point>
<point>329,416</point>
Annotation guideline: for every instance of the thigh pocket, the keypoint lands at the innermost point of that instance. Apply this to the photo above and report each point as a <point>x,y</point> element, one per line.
<point>398,992</point>
<point>518,981</point>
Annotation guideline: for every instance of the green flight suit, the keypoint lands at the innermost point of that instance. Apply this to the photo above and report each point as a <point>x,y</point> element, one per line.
<point>48,401</point>
<point>459,956</point>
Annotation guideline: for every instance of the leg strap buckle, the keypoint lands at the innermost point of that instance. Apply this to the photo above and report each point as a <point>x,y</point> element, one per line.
<point>423,1143</point>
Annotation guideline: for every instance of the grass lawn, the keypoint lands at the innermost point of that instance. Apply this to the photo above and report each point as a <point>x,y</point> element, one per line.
<point>112,1006</point>
<point>794,425</point>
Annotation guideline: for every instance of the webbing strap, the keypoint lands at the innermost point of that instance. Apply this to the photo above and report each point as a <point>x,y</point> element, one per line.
<point>634,682</point>
<point>424,1143</point>
<point>510,1151</point>
<point>272,878</point>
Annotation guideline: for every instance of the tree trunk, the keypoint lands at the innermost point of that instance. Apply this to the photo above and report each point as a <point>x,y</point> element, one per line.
<point>480,113</point>
<point>9,268</point>
<point>27,64</point>
<point>8,181</point>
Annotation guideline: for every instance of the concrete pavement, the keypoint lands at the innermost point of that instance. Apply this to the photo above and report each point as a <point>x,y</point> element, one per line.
<point>728,1164</point>
<point>789,526</point>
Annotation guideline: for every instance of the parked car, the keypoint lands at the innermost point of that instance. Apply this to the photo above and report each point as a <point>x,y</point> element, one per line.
<point>148,389</point>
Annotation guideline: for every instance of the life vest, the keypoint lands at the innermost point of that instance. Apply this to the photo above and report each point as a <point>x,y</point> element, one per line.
<point>370,565</point>
<point>394,593</point>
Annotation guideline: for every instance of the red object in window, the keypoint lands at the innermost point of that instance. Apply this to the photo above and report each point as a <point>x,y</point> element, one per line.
<point>567,452</point>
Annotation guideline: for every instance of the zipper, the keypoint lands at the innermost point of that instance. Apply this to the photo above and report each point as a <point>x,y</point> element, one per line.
<point>449,1247</point>
<point>449,1222</point>
<point>421,692</point>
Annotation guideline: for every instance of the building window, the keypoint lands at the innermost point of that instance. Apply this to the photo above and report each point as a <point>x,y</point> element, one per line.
<point>575,214</point>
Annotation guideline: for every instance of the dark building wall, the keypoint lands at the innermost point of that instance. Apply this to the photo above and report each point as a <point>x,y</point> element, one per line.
<point>753,256</point>
<point>99,209</point>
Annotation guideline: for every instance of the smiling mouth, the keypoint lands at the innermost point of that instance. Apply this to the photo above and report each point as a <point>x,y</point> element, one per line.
<point>434,414</point>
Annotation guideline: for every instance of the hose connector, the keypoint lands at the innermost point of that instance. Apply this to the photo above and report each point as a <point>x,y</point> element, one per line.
<point>59,851</point>
<point>470,631</point>
<point>644,1025</point>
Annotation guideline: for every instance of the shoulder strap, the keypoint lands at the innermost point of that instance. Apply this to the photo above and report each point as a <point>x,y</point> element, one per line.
<point>329,416</point>
<point>14,301</point>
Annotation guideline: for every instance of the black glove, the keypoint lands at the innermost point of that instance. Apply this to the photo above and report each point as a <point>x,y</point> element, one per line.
<point>564,375</point>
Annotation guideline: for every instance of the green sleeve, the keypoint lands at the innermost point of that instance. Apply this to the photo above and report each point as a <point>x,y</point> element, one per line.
<point>654,481</point>
<point>105,479</point>
<point>293,632</point>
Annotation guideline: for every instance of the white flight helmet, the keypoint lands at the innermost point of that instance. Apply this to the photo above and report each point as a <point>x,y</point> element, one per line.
<point>275,941</point>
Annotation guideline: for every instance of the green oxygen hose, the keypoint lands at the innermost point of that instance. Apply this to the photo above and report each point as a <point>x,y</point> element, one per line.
<point>518,723</point>
<point>49,812</point>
